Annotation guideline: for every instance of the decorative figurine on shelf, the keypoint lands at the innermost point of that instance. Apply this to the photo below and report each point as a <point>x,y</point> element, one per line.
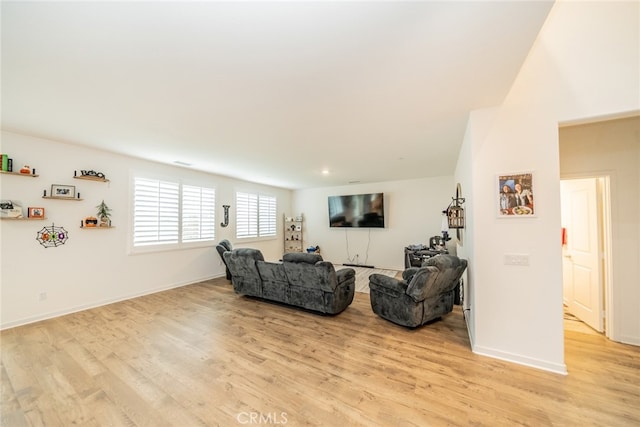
<point>26,170</point>
<point>10,209</point>
<point>104,212</point>
<point>91,173</point>
<point>90,221</point>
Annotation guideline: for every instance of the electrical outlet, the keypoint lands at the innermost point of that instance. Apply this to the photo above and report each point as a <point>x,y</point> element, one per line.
<point>42,296</point>
<point>516,259</point>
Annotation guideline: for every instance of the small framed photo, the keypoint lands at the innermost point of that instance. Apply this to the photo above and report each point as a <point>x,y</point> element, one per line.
<point>10,209</point>
<point>515,195</point>
<point>66,191</point>
<point>35,213</point>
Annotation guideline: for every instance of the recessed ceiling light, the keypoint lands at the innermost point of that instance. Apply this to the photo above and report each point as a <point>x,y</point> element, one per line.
<point>354,182</point>
<point>325,172</point>
<point>178,162</point>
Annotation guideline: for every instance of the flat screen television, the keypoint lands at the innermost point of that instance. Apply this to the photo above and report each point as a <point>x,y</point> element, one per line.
<point>357,210</point>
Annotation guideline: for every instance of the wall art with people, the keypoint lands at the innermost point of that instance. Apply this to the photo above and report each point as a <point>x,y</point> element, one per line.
<point>515,195</point>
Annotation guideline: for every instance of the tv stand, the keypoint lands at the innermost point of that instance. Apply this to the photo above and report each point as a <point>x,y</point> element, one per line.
<point>358,265</point>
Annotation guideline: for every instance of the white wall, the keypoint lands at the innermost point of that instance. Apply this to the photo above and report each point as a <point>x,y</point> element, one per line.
<point>612,148</point>
<point>478,126</point>
<point>94,267</point>
<point>583,64</point>
<point>413,212</point>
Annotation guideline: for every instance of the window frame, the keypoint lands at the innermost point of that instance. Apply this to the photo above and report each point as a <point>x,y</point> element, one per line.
<point>180,243</point>
<point>273,207</point>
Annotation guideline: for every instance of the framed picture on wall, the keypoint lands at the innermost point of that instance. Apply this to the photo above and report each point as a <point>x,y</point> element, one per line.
<point>515,195</point>
<point>36,213</point>
<point>64,191</point>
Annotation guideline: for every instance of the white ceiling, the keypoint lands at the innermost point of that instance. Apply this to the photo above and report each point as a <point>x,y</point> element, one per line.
<point>271,92</point>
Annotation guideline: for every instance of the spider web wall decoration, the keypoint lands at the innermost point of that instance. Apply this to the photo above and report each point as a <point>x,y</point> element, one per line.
<point>51,237</point>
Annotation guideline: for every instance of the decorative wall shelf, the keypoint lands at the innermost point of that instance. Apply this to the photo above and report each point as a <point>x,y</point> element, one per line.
<point>28,175</point>
<point>91,178</point>
<point>98,227</point>
<point>75,199</point>
<point>23,219</point>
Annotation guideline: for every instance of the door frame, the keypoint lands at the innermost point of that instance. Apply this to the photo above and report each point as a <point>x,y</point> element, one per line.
<point>604,181</point>
<point>603,203</point>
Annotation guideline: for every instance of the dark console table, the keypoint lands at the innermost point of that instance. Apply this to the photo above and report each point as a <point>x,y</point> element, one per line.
<point>414,255</point>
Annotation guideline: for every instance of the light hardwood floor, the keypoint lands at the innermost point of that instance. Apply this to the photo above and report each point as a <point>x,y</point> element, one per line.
<point>363,273</point>
<point>201,355</point>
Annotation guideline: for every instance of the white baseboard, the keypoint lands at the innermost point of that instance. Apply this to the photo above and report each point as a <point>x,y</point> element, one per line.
<point>521,360</point>
<point>631,340</point>
<point>82,307</point>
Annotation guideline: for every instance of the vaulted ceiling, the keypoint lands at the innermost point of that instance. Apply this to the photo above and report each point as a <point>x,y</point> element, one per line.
<point>271,92</point>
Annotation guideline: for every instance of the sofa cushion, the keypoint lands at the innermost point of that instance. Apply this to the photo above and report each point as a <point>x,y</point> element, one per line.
<point>302,272</point>
<point>274,281</point>
<point>421,284</point>
<point>302,257</point>
<point>451,269</point>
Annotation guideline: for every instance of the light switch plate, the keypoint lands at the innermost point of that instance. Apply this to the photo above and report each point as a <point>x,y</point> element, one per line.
<point>516,259</point>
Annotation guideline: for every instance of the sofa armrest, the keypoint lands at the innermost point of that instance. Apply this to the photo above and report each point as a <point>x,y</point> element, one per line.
<point>387,285</point>
<point>345,274</point>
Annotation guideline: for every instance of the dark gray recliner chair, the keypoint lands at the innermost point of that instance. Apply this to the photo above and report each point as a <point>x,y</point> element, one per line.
<point>222,247</point>
<point>424,293</point>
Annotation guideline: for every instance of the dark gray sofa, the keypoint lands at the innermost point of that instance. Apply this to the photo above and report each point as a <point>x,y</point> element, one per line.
<point>301,279</point>
<point>222,247</point>
<point>424,293</point>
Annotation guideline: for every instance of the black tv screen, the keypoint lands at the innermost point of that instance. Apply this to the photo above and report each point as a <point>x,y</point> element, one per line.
<point>358,210</point>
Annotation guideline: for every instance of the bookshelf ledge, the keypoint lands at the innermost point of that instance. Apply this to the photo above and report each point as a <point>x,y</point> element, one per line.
<point>23,219</point>
<point>91,178</point>
<point>29,175</point>
<point>62,198</point>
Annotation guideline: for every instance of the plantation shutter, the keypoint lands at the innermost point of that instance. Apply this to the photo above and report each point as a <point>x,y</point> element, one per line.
<point>198,213</point>
<point>267,214</point>
<point>246,215</point>
<point>156,212</point>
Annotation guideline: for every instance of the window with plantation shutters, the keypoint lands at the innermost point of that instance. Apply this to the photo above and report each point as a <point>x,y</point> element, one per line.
<point>267,216</point>
<point>156,212</point>
<point>255,215</point>
<point>170,213</point>
<point>198,213</point>
<point>246,215</point>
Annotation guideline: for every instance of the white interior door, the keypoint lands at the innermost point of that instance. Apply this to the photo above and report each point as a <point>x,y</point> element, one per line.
<point>582,261</point>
